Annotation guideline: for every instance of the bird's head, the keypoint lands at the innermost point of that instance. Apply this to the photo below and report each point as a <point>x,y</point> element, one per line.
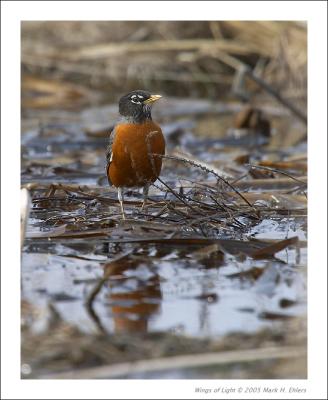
<point>136,105</point>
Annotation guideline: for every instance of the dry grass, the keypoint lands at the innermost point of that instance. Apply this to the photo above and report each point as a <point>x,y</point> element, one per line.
<point>162,54</point>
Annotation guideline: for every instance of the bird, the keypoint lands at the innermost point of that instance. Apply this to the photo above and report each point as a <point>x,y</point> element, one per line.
<point>135,146</point>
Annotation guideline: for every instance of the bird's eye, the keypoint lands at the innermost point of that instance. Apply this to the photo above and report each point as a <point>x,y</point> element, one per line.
<point>136,98</point>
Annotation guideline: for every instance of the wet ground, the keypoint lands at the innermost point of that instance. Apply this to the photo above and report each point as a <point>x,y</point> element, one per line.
<point>220,250</point>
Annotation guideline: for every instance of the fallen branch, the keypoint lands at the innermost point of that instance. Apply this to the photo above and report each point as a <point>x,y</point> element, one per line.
<point>246,70</point>
<point>101,51</point>
<point>181,362</point>
<point>278,171</point>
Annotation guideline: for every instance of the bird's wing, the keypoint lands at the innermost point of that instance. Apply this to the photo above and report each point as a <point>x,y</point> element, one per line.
<point>109,153</point>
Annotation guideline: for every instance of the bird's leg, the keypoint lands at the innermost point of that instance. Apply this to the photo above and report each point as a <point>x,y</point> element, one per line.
<point>145,191</point>
<point>121,199</point>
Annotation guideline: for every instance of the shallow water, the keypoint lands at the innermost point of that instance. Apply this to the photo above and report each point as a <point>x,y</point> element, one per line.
<point>75,235</point>
<point>194,290</point>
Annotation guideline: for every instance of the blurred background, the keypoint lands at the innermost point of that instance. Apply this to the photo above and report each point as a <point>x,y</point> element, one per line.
<point>220,278</point>
<point>95,62</point>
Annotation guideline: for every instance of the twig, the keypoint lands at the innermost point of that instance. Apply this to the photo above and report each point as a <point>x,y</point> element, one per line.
<point>209,171</point>
<point>269,184</point>
<point>176,195</point>
<point>278,171</point>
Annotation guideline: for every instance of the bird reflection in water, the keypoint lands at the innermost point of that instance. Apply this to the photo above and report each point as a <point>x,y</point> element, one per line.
<point>133,309</point>
<point>133,288</point>
<point>133,299</point>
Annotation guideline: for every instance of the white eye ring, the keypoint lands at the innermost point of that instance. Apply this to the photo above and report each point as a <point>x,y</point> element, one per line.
<point>133,98</point>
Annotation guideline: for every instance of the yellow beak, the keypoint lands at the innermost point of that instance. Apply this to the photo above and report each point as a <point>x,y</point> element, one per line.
<point>152,99</point>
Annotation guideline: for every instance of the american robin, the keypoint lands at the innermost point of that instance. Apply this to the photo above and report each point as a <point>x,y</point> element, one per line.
<point>134,144</point>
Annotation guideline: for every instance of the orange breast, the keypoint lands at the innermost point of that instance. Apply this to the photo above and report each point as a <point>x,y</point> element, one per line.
<point>134,162</point>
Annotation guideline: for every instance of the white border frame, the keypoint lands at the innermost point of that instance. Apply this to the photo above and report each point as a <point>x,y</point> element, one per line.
<point>12,13</point>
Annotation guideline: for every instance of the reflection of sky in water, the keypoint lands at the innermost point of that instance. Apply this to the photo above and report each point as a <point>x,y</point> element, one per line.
<point>167,291</point>
<point>282,229</point>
